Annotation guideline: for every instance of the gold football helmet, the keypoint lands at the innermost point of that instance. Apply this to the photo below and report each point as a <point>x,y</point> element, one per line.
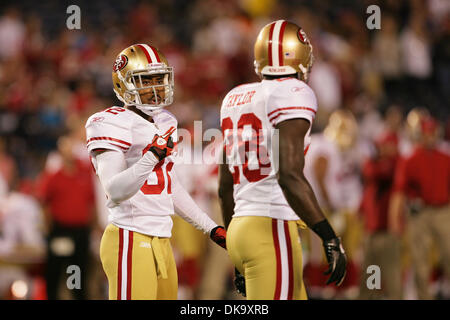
<point>132,66</point>
<point>342,129</point>
<point>282,48</point>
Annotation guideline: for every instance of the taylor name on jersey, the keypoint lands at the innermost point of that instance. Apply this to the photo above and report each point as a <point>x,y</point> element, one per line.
<point>120,129</point>
<point>249,115</point>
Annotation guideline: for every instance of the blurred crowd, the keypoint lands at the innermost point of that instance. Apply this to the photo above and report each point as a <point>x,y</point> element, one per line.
<point>380,92</point>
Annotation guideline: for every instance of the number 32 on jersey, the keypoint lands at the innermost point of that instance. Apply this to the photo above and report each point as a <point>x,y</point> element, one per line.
<point>162,170</point>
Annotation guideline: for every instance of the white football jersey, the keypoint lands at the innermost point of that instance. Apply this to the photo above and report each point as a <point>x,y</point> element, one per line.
<point>117,128</point>
<point>248,116</point>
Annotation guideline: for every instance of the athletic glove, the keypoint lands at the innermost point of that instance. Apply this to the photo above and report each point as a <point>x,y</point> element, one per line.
<point>219,236</point>
<point>337,260</point>
<point>162,146</point>
<point>239,282</point>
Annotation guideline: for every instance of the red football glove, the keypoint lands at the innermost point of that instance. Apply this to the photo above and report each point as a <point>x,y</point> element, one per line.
<point>219,236</point>
<point>162,146</point>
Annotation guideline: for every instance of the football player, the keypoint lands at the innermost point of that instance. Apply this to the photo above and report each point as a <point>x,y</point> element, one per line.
<point>132,153</point>
<point>264,194</point>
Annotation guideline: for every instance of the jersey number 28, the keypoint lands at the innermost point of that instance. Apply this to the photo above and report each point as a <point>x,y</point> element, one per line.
<point>245,145</point>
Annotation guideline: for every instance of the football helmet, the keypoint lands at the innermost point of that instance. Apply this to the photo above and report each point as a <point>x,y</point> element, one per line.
<point>132,65</point>
<point>342,129</point>
<point>282,48</point>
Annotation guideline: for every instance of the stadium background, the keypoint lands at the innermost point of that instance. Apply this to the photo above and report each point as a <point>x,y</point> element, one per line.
<point>52,79</point>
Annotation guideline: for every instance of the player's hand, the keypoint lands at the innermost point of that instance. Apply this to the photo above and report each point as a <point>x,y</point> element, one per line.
<point>162,146</point>
<point>219,236</point>
<point>239,282</point>
<point>337,260</point>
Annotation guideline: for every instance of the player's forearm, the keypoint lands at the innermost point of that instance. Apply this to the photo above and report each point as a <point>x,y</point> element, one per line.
<point>189,210</point>
<point>301,198</point>
<point>297,190</point>
<point>122,185</point>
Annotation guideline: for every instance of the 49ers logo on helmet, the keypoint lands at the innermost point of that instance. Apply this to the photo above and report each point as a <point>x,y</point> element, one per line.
<point>120,63</point>
<point>302,36</point>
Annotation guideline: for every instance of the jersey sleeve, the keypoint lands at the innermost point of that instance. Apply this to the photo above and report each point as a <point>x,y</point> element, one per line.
<point>289,100</point>
<point>108,131</point>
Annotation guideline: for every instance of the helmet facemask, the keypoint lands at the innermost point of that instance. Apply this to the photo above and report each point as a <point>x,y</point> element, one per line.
<point>305,71</point>
<point>134,84</point>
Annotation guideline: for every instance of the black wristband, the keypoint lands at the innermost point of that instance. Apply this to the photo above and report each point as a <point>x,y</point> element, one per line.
<point>324,230</point>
